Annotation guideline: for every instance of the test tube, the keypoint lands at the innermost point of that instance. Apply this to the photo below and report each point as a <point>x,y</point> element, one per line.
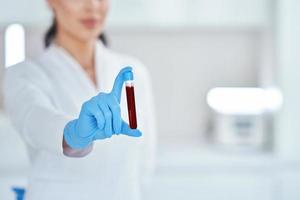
<point>131,101</point>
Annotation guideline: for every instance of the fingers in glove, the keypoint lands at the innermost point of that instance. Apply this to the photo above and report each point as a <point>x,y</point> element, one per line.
<point>116,114</point>
<point>108,119</point>
<point>126,130</point>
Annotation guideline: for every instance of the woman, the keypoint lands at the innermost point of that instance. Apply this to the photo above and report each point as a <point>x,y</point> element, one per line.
<point>79,145</point>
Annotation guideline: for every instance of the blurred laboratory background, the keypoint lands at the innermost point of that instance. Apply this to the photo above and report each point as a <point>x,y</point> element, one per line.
<point>226,82</point>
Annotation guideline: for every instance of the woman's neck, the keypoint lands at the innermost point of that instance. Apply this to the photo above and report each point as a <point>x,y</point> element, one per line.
<point>82,51</point>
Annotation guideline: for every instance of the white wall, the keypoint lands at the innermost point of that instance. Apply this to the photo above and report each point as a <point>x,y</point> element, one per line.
<point>1,64</point>
<point>288,76</point>
<point>234,13</point>
<point>24,11</point>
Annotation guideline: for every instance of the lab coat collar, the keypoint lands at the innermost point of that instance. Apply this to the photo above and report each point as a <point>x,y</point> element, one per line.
<point>100,63</point>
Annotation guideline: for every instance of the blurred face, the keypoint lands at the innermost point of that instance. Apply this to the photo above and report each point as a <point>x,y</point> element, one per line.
<point>80,19</point>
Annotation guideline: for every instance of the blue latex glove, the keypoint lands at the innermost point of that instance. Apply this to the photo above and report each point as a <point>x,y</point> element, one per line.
<point>100,117</point>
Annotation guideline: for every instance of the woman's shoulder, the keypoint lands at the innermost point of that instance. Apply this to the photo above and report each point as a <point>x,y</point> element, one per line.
<point>23,69</point>
<point>26,69</point>
<point>25,72</point>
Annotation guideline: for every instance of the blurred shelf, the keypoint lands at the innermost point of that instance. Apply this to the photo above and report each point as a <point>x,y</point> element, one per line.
<point>207,13</point>
<point>193,171</point>
<point>224,13</point>
<point>205,159</point>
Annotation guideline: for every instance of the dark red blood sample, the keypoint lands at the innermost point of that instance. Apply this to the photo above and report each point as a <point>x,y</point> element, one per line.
<point>131,107</point>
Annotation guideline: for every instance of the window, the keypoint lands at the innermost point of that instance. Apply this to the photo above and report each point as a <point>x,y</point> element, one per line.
<point>14,49</point>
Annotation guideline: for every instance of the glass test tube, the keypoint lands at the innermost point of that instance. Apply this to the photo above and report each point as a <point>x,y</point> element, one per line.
<point>131,104</point>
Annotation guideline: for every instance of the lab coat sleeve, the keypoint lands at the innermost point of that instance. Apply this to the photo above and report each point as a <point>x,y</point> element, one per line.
<point>32,112</point>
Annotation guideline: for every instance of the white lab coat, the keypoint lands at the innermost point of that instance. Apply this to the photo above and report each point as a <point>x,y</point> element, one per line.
<point>43,94</point>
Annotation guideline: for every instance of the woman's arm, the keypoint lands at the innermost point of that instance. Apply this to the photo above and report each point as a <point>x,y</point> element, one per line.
<point>33,115</point>
<point>44,127</point>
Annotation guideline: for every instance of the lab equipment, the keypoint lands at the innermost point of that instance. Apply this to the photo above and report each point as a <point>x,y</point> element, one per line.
<point>130,100</point>
<point>243,116</point>
<point>100,117</point>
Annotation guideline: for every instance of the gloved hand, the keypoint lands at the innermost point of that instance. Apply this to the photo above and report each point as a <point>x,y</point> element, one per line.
<point>100,117</point>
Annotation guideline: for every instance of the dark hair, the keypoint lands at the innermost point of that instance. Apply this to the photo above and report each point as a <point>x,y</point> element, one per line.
<point>51,33</point>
